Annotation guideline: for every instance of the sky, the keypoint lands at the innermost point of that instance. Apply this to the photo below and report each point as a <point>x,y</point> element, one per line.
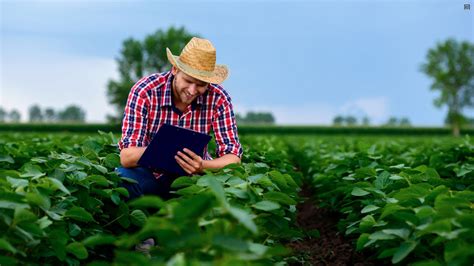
<point>304,61</point>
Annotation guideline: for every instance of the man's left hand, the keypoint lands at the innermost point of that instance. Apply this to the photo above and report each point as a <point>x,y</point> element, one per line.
<point>190,162</point>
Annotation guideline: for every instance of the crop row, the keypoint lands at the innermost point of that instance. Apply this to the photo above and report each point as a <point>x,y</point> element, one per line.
<point>406,200</point>
<point>61,203</point>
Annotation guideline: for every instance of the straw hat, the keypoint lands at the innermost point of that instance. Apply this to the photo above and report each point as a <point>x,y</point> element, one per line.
<point>198,59</point>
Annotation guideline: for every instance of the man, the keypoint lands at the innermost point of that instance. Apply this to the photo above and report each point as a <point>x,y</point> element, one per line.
<point>189,95</point>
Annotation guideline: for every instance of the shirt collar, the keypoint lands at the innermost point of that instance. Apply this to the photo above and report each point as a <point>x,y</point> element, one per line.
<point>167,100</point>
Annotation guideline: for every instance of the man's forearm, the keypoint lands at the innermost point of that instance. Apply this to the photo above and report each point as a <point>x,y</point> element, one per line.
<point>129,156</point>
<point>221,161</point>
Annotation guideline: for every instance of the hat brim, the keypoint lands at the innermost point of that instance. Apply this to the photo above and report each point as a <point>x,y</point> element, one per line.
<point>220,73</point>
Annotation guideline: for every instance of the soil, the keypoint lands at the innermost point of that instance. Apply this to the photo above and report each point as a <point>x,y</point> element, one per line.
<point>332,247</point>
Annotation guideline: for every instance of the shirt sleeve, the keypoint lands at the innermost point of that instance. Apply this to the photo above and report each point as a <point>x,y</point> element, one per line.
<point>135,118</point>
<point>225,130</point>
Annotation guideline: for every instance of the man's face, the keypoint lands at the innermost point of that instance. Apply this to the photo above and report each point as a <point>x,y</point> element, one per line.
<point>186,88</point>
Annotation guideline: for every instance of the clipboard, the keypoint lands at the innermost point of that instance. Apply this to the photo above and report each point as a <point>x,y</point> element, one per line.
<point>159,155</point>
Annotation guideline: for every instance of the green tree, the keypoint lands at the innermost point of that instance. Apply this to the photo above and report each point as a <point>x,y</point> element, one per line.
<point>14,116</point>
<point>392,121</point>
<point>50,114</point>
<point>451,65</point>
<point>351,120</point>
<point>140,58</point>
<point>3,114</point>
<point>338,120</point>
<point>405,122</point>
<point>72,113</point>
<point>35,114</point>
<point>366,121</point>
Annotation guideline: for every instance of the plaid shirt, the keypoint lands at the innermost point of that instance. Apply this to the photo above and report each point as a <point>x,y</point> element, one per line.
<point>150,105</point>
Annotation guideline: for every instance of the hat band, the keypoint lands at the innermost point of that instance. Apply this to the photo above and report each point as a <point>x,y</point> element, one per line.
<point>187,68</point>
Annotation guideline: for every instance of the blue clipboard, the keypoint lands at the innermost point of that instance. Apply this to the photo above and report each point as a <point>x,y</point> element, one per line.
<point>159,155</point>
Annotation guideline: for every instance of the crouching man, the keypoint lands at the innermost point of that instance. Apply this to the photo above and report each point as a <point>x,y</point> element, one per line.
<point>189,96</point>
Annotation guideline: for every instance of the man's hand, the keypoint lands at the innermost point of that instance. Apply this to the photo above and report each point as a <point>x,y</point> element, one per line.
<point>189,161</point>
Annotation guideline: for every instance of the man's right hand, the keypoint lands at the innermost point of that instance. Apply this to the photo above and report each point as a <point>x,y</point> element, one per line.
<point>129,156</point>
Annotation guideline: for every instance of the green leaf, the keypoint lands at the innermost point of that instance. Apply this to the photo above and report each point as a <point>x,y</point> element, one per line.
<point>244,218</point>
<point>193,207</point>
<point>114,196</point>
<point>78,250</point>
<point>38,199</point>
<point>138,217</point>
<point>7,260</point>
<point>277,178</point>
<point>217,189</point>
<point>402,232</point>
<point>396,177</point>
<point>100,168</point>
<point>279,197</point>
<point>74,229</point>
<point>44,222</point>
<point>97,240</point>
<point>182,181</point>
<point>359,192</point>
<point>266,205</point>
<point>379,235</point>
<point>367,222</point>
<point>123,215</point>
<point>59,185</point>
<point>131,258</point>
<point>5,204</point>
<point>58,239</point>
<point>23,215</point>
<point>17,182</point>
<point>112,160</point>
<point>465,169</point>
<point>79,214</point>
<point>427,263</point>
<point>403,251</point>
<point>390,208</point>
<point>361,241</point>
<point>382,180</point>
<point>387,253</point>
<point>147,201</point>
<point>6,158</point>
<point>239,193</point>
<point>5,245</point>
<point>369,208</point>
<point>122,191</point>
<point>439,227</point>
<point>258,249</point>
<point>32,171</point>
<point>230,243</point>
<point>191,190</point>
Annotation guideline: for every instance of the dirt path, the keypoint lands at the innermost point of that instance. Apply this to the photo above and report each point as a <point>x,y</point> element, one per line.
<point>331,248</point>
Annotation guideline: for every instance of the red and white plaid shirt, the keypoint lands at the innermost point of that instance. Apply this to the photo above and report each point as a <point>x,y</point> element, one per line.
<point>150,105</point>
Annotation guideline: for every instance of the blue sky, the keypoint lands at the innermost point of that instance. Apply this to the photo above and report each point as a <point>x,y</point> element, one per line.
<point>305,61</point>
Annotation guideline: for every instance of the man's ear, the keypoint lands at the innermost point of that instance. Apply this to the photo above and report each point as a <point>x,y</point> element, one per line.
<point>174,70</point>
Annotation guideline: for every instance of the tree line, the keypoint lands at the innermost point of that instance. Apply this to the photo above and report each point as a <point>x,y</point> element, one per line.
<point>36,114</point>
<point>255,118</point>
<point>350,120</point>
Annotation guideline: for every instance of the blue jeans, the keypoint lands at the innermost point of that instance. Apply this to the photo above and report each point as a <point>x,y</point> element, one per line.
<point>146,184</point>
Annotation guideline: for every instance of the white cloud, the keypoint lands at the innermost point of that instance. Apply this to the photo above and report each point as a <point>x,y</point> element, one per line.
<point>56,80</point>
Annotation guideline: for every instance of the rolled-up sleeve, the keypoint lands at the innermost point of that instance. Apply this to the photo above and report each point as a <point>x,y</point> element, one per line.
<point>225,130</point>
<point>134,124</point>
